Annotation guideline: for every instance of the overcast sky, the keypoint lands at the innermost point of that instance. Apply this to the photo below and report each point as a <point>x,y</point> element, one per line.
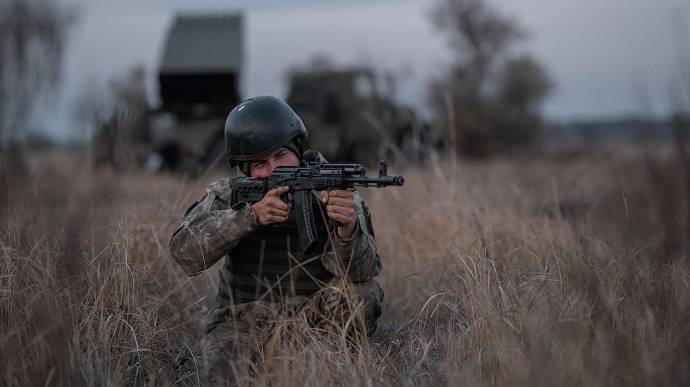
<point>601,53</point>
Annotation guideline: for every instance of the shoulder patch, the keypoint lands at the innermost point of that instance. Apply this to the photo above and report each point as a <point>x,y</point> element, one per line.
<point>220,189</point>
<point>193,206</point>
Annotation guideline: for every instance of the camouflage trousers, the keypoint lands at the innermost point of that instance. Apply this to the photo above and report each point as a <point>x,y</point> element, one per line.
<point>240,333</point>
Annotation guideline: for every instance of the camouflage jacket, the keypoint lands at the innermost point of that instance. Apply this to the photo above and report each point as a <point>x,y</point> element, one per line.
<point>211,229</point>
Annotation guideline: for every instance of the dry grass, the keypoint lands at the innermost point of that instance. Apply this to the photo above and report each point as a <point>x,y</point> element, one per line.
<point>527,271</point>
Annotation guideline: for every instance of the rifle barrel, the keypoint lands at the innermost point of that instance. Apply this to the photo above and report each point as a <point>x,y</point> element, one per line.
<point>376,181</point>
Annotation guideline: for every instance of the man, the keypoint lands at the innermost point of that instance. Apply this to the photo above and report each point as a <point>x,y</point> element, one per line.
<point>266,277</point>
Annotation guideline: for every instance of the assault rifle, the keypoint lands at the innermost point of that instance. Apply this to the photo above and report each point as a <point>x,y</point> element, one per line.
<point>302,180</point>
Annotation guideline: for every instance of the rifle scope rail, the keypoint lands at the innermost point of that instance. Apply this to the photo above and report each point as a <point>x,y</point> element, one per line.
<point>318,177</point>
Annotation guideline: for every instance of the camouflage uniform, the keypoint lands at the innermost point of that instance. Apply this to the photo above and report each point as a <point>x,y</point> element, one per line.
<point>244,322</point>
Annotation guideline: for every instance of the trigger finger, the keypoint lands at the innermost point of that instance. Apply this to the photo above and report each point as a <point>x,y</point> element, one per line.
<point>277,191</point>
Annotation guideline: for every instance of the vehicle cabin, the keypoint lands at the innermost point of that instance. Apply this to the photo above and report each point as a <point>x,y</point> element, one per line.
<point>199,81</point>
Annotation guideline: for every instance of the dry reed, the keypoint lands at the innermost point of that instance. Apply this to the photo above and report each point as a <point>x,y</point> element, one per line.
<point>531,271</point>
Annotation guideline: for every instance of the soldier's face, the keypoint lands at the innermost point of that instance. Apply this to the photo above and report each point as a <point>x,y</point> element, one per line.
<point>263,167</point>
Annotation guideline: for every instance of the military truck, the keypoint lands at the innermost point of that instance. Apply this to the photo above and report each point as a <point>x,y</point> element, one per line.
<point>199,81</point>
<point>349,118</point>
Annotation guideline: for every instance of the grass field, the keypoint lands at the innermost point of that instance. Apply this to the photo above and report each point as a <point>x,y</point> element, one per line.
<point>514,271</point>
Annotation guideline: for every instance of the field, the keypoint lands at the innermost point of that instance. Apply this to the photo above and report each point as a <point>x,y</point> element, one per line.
<point>538,270</point>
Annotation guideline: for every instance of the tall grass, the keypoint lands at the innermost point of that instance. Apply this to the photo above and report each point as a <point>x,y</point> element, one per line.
<point>531,271</point>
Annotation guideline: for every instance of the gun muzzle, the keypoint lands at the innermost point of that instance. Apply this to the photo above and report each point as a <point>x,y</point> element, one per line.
<point>390,180</point>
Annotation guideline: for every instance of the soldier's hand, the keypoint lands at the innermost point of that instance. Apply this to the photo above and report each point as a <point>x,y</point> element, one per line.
<point>272,209</point>
<point>340,206</point>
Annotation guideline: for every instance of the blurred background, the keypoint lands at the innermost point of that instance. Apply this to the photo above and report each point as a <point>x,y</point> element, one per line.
<point>406,80</point>
<point>542,236</point>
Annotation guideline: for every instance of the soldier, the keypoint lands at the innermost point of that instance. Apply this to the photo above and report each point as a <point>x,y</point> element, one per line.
<point>266,277</point>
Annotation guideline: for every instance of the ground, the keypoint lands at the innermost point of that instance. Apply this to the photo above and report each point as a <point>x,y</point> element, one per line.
<point>539,270</point>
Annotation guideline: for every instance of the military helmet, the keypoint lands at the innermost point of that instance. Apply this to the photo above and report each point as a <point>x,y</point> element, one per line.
<point>258,126</point>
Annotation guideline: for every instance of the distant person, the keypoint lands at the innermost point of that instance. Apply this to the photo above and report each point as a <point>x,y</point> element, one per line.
<point>266,277</point>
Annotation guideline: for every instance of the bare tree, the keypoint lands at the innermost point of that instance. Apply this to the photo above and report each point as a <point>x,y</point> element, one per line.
<point>33,35</point>
<point>118,121</point>
<point>494,93</point>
